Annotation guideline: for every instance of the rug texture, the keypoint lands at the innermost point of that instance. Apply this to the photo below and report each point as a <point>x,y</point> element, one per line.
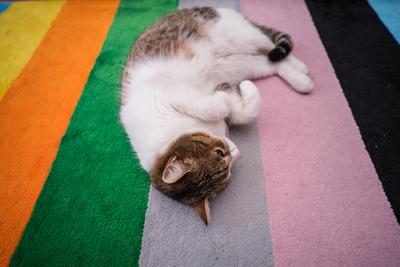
<point>317,182</point>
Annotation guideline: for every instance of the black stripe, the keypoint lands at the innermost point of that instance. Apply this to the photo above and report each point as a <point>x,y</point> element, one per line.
<point>366,59</point>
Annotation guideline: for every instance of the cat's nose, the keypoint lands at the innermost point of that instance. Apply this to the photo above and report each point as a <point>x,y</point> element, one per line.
<point>227,158</point>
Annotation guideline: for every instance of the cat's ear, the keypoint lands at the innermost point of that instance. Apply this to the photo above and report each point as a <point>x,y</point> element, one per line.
<point>173,171</point>
<point>203,210</point>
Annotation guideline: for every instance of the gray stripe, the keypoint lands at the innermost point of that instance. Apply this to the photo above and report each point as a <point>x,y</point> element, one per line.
<point>238,234</point>
<point>233,4</point>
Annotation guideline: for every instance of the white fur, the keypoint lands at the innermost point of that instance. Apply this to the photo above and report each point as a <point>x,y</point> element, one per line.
<point>167,97</point>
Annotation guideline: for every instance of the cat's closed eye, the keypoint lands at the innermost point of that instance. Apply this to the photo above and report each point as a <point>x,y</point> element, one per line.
<point>219,151</point>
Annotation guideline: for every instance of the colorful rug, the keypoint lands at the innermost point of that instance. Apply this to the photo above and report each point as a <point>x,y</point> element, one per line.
<point>317,183</point>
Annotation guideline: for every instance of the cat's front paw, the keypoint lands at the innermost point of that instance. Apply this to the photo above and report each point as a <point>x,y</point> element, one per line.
<point>251,97</point>
<point>249,91</point>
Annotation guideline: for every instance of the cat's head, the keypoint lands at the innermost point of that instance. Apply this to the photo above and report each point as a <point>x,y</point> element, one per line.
<point>194,168</point>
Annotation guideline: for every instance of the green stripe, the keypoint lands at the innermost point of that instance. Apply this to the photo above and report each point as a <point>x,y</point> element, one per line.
<point>91,210</point>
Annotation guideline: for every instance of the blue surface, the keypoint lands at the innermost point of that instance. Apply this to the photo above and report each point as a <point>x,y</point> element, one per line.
<point>389,13</point>
<point>4,6</point>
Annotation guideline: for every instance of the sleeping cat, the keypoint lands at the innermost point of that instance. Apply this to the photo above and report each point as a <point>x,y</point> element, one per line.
<point>188,76</point>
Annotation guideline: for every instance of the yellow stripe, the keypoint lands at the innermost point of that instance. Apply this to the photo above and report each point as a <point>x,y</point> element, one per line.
<point>22,27</point>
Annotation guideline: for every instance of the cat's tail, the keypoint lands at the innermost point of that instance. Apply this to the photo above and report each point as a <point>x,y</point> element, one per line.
<point>283,43</point>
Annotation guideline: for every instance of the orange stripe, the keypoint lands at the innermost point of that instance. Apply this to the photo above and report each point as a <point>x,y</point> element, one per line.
<point>36,110</point>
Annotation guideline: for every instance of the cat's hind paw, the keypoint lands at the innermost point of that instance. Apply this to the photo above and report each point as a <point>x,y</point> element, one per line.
<point>305,85</point>
<point>297,64</point>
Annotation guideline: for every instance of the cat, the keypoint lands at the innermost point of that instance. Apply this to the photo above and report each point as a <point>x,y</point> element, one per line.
<point>187,77</point>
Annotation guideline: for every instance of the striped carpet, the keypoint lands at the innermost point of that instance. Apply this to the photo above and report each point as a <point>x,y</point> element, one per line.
<point>317,183</point>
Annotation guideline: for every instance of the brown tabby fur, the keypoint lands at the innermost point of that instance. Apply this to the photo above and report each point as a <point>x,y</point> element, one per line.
<point>168,35</point>
<point>208,171</point>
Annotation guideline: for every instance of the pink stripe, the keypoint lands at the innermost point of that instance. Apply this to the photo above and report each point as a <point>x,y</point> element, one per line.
<point>325,201</point>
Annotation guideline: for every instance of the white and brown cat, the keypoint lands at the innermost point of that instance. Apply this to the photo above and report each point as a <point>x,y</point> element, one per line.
<point>186,78</point>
